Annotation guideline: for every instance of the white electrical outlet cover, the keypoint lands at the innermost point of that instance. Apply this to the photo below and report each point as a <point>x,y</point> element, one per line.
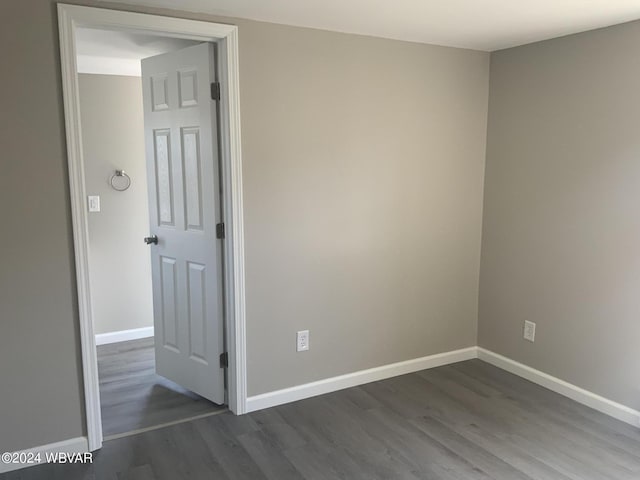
<point>302,341</point>
<point>529,331</point>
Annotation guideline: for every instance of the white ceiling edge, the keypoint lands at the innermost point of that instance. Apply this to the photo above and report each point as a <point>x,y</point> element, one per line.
<point>128,67</point>
<point>484,25</point>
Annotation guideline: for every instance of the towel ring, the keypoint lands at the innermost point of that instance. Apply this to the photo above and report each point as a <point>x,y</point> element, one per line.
<point>120,181</point>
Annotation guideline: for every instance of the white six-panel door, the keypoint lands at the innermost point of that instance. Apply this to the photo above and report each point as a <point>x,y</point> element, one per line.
<point>184,201</point>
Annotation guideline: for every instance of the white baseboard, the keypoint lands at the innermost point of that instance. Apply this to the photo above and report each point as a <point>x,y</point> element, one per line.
<point>124,335</point>
<point>300,392</point>
<point>73,445</point>
<point>292,394</point>
<point>580,395</point>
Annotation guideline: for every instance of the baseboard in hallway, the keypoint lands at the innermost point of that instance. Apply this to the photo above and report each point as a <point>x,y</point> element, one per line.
<point>123,335</point>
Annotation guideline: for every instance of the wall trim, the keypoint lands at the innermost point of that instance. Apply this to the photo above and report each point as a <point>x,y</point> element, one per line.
<point>123,335</point>
<point>72,445</point>
<point>580,395</point>
<point>225,36</point>
<point>327,385</point>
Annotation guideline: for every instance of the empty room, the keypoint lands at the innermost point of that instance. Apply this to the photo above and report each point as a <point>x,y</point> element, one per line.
<point>320,240</point>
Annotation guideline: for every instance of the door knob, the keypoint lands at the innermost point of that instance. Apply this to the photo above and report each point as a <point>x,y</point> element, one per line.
<point>152,239</point>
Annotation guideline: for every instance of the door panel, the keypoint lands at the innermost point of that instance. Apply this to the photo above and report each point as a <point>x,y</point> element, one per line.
<point>163,166</point>
<point>197,281</point>
<point>182,168</point>
<point>192,178</point>
<point>169,294</point>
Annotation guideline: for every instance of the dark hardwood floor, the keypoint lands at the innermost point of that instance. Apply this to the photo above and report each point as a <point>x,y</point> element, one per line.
<point>464,421</point>
<point>133,397</point>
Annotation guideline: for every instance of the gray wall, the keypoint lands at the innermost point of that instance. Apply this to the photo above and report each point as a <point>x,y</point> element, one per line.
<point>363,168</point>
<point>561,230</point>
<point>41,395</point>
<point>119,262</point>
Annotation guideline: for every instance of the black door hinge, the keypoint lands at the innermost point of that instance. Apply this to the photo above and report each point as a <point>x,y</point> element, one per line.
<point>224,360</point>
<point>219,230</point>
<point>215,91</point>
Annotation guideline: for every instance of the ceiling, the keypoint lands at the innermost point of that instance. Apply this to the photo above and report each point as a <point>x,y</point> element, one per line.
<point>477,24</point>
<point>111,52</point>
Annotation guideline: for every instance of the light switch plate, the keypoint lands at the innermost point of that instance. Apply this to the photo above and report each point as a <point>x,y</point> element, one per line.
<point>94,203</point>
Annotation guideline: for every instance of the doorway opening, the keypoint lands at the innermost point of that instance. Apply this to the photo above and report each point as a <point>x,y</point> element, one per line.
<point>134,393</point>
<point>157,158</point>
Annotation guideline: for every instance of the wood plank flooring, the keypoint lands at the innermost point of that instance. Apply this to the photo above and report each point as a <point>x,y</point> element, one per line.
<point>460,422</point>
<point>133,397</point>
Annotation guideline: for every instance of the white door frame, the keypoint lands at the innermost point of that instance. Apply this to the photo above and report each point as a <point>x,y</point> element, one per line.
<point>71,17</point>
